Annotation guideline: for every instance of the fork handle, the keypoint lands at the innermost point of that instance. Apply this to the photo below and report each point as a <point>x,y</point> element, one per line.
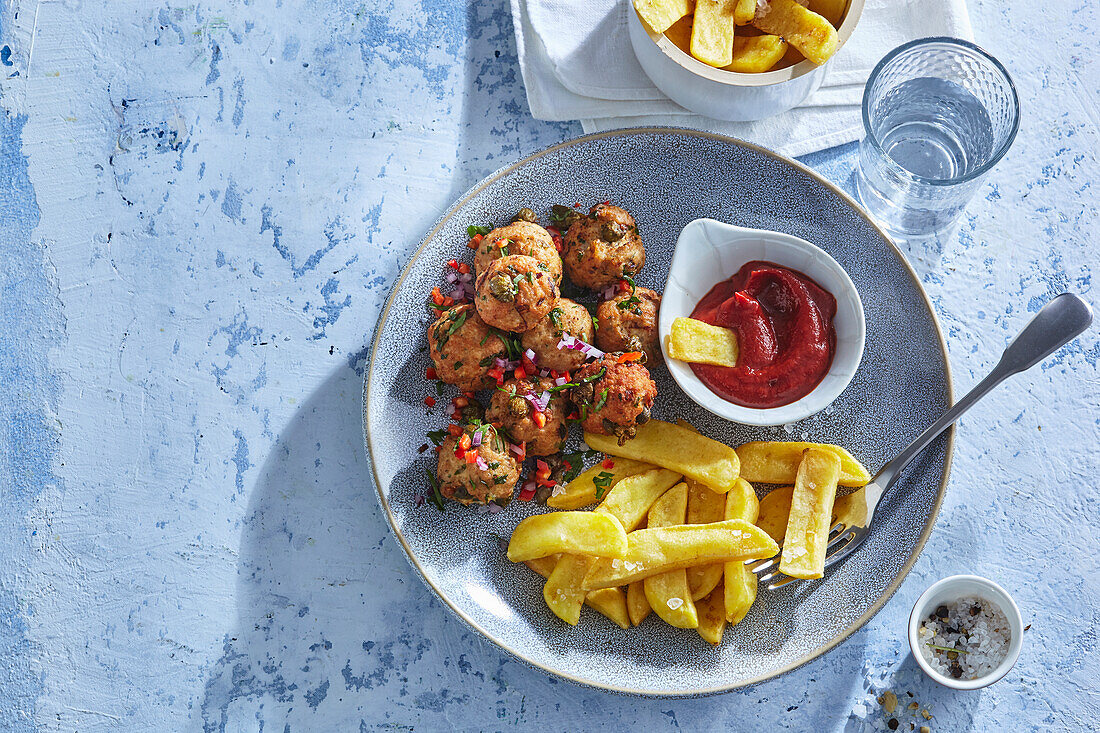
<point>1056,324</point>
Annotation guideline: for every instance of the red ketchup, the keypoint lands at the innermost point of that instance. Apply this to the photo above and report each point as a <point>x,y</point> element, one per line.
<point>785,334</point>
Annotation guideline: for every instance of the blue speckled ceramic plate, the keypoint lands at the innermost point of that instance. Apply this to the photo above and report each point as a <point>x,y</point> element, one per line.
<point>666,178</point>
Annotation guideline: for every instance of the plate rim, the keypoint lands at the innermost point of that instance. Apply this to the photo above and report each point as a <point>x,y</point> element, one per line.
<point>831,644</point>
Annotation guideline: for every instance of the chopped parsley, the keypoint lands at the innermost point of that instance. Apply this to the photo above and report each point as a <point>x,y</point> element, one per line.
<point>633,299</point>
<point>602,483</point>
<point>436,497</point>
<point>602,401</point>
<point>473,230</point>
<point>555,317</point>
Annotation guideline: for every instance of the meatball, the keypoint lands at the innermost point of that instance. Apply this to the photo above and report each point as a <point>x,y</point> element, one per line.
<point>491,474</point>
<point>566,317</point>
<point>628,322</point>
<point>520,420</point>
<point>515,292</point>
<point>519,238</point>
<point>463,348</point>
<point>603,246</point>
<point>613,398</point>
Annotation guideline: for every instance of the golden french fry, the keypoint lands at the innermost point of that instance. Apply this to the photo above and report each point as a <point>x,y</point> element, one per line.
<point>562,591</point>
<point>756,54</point>
<point>608,601</point>
<point>804,29</point>
<point>637,605</point>
<point>712,616</point>
<point>775,509</point>
<point>677,449</point>
<point>587,533</point>
<point>628,502</point>
<point>680,34</point>
<point>704,506</point>
<point>660,14</point>
<point>770,462</point>
<point>851,509</point>
<point>740,583</point>
<point>582,490</point>
<point>668,593</point>
<point>660,549</point>
<point>830,10</point>
<point>744,11</point>
<point>712,31</point>
<point>811,515</point>
<point>699,342</point>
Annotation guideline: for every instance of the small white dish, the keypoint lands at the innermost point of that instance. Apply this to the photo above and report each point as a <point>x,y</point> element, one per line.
<point>708,252</point>
<point>960,586</point>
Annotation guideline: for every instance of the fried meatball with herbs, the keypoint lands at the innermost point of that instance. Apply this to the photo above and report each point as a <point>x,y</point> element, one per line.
<point>566,317</point>
<point>603,246</point>
<point>477,467</point>
<point>515,293</point>
<point>544,431</point>
<point>628,322</point>
<point>613,398</point>
<point>463,348</point>
<point>519,238</point>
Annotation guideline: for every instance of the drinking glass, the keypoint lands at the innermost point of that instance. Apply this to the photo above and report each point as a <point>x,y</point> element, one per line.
<point>938,113</point>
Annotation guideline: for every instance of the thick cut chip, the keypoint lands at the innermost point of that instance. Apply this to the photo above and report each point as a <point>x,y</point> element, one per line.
<point>637,605</point>
<point>712,616</point>
<point>704,506</point>
<point>768,462</point>
<point>628,502</point>
<point>699,342</point>
<point>740,582</point>
<point>804,29</point>
<point>677,449</point>
<point>582,490</point>
<point>830,10</point>
<point>660,14</point>
<point>811,515</point>
<point>582,533</point>
<point>712,32</point>
<point>744,12</point>
<point>660,549</point>
<point>610,602</point>
<point>851,509</point>
<point>756,54</point>
<point>775,509</point>
<point>668,593</point>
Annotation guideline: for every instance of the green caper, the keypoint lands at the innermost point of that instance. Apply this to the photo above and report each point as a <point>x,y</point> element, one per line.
<point>525,214</point>
<point>563,217</point>
<point>501,288</point>
<point>517,406</point>
<point>610,232</point>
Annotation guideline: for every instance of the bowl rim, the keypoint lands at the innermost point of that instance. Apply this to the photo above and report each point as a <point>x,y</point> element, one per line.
<point>410,556</point>
<point>1007,605</point>
<point>816,399</point>
<point>852,14</point>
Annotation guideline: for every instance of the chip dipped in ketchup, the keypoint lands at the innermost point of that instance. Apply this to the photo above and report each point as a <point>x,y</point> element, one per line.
<point>784,325</point>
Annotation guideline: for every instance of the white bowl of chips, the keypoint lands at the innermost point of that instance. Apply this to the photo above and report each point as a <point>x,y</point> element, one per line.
<point>734,95</point>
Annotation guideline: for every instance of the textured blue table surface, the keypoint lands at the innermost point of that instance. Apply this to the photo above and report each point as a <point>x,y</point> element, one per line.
<point>202,209</point>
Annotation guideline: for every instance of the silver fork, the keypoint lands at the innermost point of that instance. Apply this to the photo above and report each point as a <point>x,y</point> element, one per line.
<point>1058,323</point>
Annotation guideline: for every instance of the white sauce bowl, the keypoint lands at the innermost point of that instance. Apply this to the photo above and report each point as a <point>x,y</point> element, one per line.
<point>708,252</point>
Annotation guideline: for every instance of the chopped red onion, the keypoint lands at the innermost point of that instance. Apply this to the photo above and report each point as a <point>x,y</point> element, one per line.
<point>515,449</point>
<point>482,464</point>
<point>610,291</point>
<point>530,354</point>
<point>475,438</point>
<point>452,276</point>
<point>560,381</point>
<point>539,402</point>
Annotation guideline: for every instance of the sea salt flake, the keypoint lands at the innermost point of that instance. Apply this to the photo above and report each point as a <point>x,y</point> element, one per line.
<point>558,490</point>
<point>616,564</point>
<point>675,603</point>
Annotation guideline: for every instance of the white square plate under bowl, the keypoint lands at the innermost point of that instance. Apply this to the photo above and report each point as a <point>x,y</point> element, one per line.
<point>708,252</point>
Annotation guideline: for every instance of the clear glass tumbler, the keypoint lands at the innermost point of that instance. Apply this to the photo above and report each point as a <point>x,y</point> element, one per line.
<point>938,113</point>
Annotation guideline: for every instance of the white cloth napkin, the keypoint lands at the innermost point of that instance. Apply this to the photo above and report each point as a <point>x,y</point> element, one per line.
<point>578,64</point>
